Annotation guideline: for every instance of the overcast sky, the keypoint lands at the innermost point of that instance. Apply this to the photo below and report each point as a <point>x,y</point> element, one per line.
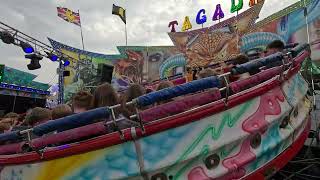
<point>147,22</point>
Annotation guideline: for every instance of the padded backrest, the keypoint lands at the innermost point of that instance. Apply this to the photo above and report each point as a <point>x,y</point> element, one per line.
<point>73,121</point>
<point>9,136</point>
<point>71,135</point>
<point>256,64</point>
<point>298,49</point>
<point>180,105</point>
<point>254,80</point>
<point>11,148</point>
<point>180,90</point>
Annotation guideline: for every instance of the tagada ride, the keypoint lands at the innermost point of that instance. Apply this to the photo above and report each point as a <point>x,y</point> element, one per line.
<point>246,129</point>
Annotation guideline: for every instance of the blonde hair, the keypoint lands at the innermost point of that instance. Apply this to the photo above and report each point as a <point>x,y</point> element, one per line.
<point>38,115</point>
<point>134,91</point>
<point>206,73</point>
<point>4,127</point>
<point>164,84</point>
<point>82,99</point>
<point>104,95</point>
<point>11,115</point>
<point>61,111</point>
<point>241,59</point>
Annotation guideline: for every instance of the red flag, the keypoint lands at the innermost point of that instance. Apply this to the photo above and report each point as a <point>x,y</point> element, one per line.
<point>69,16</point>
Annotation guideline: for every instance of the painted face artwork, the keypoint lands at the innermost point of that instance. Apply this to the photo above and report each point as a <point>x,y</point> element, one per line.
<point>301,36</point>
<point>315,37</point>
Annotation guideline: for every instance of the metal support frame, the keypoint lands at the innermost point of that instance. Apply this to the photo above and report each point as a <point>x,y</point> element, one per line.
<point>39,46</point>
<point>140,120</point>
<point>227,89</point>
<point>28,132</point>
<point>139,124</point>
<point>114,118</point>
<point>61,83</point>
<point>42,49</point>
<point>114,123</point>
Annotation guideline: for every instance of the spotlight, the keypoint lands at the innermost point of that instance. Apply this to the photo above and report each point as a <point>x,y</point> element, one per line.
<point>52,56</point>
<point>66,73</point>
<point>66,62</point>
<point>34,64</point>
<point>27,48</point>
<point>6,37</point>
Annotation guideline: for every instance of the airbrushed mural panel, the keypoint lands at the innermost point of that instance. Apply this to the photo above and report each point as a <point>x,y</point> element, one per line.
<point>202,47</point>
<point>227,145</point>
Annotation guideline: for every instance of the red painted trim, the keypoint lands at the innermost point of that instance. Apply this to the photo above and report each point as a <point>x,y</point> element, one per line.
<point>279,162</point>
<point>108,140</point>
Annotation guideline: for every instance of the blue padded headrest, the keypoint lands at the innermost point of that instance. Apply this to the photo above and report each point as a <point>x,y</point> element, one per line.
<point>73,121</point>
<point>256,64</point>
<point>183,89</point>
<point>298,49</point>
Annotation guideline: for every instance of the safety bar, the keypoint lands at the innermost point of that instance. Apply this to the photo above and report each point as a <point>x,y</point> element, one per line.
<point>211,82</point>
<point>82,119</point>
<point>291,45</point>
<point>298,49</point>
<point>279,70</point>
<point>40,143</point>
<point>73,121</point>
<point>9,136</point>
<point>256,64</point>
<point>183,89</point>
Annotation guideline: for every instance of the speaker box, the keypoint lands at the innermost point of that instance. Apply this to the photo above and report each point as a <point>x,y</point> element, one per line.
<point>66,73</point>
<point>105,71</point>
<point>34,64</point>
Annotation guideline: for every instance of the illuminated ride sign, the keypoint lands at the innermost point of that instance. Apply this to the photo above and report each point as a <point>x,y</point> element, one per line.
<point>217,15</point>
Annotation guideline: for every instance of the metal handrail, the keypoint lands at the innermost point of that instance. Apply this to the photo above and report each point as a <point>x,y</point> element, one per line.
<point>140,123</point>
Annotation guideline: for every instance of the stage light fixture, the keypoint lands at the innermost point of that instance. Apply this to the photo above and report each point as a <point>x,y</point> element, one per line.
<point>34,64</point>
<point>6,37</point>
<point>52,56</point>
<point>66,62</point>
<point>27,48</point>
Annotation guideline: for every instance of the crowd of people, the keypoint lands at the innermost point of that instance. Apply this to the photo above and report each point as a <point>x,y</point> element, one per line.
<point>105,95</point>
